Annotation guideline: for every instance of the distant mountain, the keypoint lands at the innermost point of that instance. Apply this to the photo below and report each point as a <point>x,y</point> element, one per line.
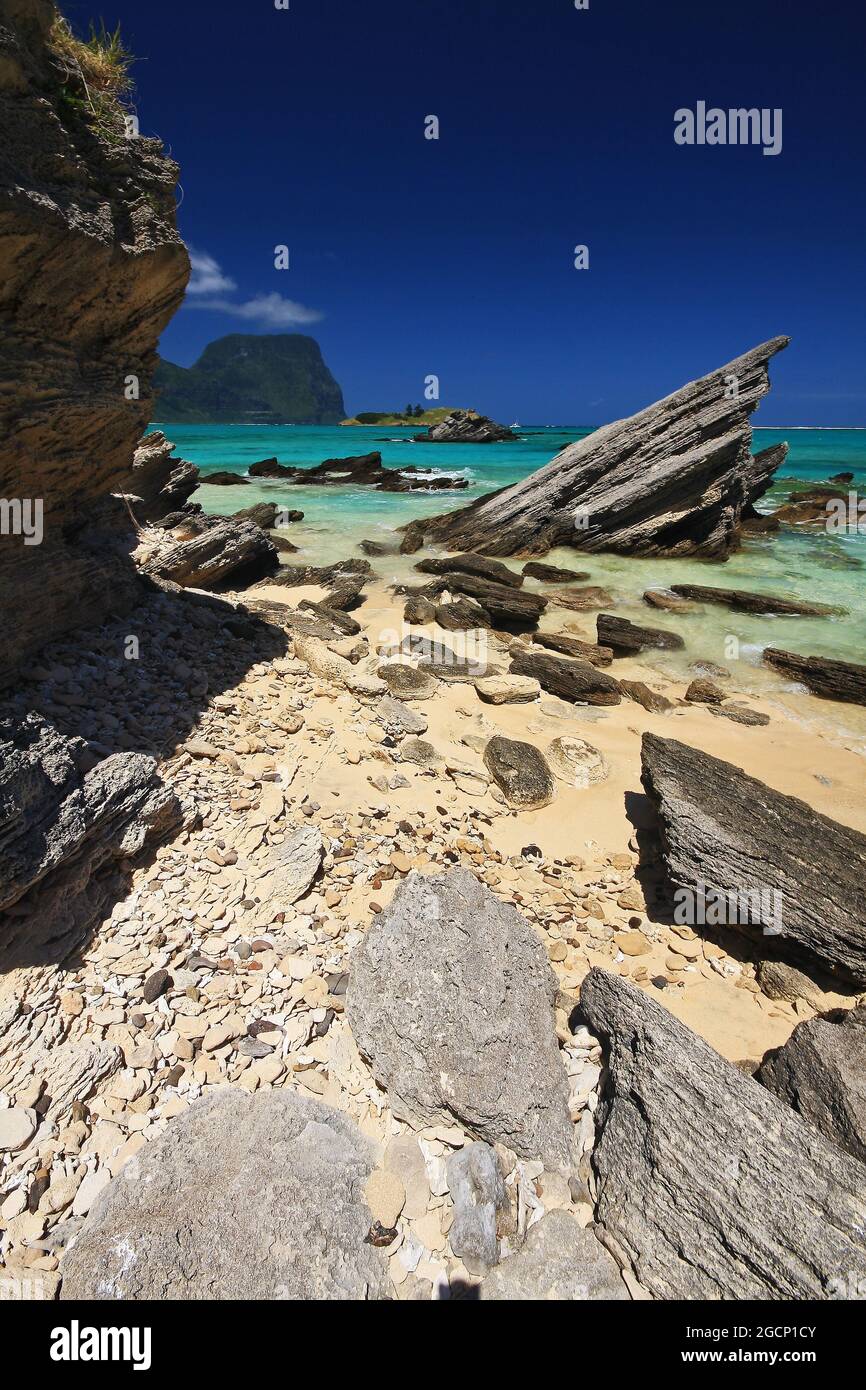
<point>246,378</point>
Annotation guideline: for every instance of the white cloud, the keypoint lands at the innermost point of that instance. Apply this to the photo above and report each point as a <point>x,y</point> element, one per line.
<point>271,310</point>
<point>207,277</point>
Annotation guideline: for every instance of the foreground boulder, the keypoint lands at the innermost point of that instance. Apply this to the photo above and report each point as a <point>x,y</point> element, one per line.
<point>478,565</point>
<point>678,478</point>
<point>711,1186</point>
<point>821,1073</point>
<point>559,1261</point>
<point>833,680</point>
<point>788,871</point>
<point>243,1197</point>
<point>521,773</point>
<point>451,998</point>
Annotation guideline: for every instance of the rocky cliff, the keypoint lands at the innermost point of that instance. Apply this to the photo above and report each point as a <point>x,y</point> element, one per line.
<point>271,378</point>
<point>91,270</point>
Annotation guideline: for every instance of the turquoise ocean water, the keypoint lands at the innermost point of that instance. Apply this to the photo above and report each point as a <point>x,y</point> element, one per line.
<point>801,563</point>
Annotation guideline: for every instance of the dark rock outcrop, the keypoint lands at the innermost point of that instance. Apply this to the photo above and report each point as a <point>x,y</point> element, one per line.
<point>797,872</point>
<point>65,825</point>
<point>365,470</point>
<point>229,552</point>
<point>91,270</point>
<point>158,484</point>
<point>578,681</point>
<point>676,479</point>
<point>568,645</point>
<point>479,565</point>
<point>625,636</point>
<point>465,427</point>
<point>243,1197</point>
<point>552,574</point>
<point>451,998</point>
<point>507,606</point>
<point>833,680</point>
<point>710,1186</point>
<point>821,1073</point>
<point>745,602</point>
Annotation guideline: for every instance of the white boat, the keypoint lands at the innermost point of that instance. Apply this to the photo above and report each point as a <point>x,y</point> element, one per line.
<point>515,426</point>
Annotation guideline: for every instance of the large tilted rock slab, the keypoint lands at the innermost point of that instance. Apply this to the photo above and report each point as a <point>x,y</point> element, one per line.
<point>243,1197</point>
<point>451,998</point>
<point>676,479</point>
<point>726,831</point>
<point>821,1072</point>
<point>834,680</point>
<point>710,1185</point>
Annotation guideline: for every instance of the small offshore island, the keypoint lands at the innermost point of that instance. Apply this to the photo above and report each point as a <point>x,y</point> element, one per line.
<point>473,912</point>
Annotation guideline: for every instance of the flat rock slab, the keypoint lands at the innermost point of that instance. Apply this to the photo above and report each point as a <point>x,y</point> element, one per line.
<point>833,680</point>
<point>243,1197</point>
<point>507,690</point>
<point>559,1261</point>
<point>709,1184</point>
<point>821,1073</point>
<point>797,872</point>
<point>625,636</point>
<point>407,682</point>
<point>578,681</point>
<point>576,762</point>
<point>745,602</point>
<point>451,998</point>
<point>568,645</point>
<point>293,866</point>
<point>479,565</point>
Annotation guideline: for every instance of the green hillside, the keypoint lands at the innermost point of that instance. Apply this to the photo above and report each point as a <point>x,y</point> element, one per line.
<point>274,379</point>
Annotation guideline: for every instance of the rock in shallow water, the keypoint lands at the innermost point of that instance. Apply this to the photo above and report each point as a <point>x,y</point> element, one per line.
<point>451,998</point>
<point>243,1197</point>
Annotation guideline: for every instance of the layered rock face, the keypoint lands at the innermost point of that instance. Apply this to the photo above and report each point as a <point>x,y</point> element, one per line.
<point>91,270</point>
<point>676,479</point>
<point>465,427</point>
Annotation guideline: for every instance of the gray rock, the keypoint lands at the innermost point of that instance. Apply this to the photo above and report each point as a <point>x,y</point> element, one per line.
<point>821,1073</point>
<point>293,866</point>
<point>451,998</point>
<point>711,1186</point>
<point>559,1261</point>
<point>521,772</point>
<point>243,1197</point>
<point>779,980</point>
<point>576,762</point>
<point>398,719</point>
<point>477,1190</point>
<point>724,829</point>
<point>678,478</point>
<point>407,682</point>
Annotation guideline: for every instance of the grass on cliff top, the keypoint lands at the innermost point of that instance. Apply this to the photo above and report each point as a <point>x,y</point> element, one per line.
<point>96,76</point>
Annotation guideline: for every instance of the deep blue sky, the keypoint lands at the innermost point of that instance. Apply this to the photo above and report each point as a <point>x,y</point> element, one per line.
<point>305,127</point>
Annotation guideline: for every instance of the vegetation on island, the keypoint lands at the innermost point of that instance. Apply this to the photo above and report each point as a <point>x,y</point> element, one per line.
<point>412,415</point>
